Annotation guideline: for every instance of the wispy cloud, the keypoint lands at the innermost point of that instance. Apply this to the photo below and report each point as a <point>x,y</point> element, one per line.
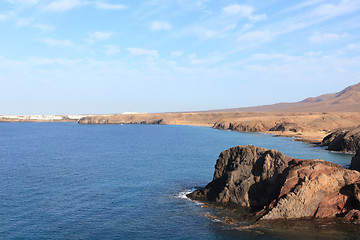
<point>206,61</point>
<point>353,46</point>
<point>142,51</point>
<point>176,53</point>
<point>326,37</point>
<point>302,5</point>
<point>334,10</point>
<point>62,5</point>
<point>256,36</point>
<point>160,25</point>
<point>43,27</point>
<point>272,56</point>
<point>99,36</point>
<point>202,32</point>
<point>53,61</point>
<point>3,17</point>
<point>23,22</point>
<point>242,11</point>
<point>111,50</point>
<point>56,42</point>
<point>108,6</point>
<point>24,2</point>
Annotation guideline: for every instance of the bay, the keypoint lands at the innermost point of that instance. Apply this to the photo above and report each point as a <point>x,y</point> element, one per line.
<point>71,181</point>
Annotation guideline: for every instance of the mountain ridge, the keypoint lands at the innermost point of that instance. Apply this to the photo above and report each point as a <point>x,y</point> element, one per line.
<point>346,100</point>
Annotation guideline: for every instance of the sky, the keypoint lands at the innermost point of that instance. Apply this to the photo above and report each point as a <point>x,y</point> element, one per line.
<point>107,56</point>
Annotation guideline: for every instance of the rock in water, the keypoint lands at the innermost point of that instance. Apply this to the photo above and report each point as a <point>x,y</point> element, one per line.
<point>355,161</point>
<point>276,186</point>
<point>346,141</point>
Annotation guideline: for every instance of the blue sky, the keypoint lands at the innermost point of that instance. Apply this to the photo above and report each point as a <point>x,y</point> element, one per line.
<point>103,56</point>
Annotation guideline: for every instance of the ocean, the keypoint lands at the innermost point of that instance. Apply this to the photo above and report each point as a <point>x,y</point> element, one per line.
<point>71,181</point>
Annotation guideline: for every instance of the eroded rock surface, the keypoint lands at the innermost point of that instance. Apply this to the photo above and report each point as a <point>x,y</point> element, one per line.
<point>355,161</point>
<point>276,186</point>
<point>342,140</point>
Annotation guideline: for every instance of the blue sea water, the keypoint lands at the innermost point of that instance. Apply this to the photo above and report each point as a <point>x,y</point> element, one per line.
<point>71,181</point>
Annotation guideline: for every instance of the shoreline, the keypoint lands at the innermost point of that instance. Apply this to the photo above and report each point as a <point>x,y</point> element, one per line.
<point>308,127</point>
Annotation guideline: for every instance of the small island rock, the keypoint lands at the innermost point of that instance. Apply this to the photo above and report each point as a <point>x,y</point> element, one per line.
<point>275,186</point>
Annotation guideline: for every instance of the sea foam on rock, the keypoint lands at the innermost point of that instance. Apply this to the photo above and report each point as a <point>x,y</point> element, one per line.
<point>275,186</point>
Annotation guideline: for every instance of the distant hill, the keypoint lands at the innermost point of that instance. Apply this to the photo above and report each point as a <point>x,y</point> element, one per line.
<point>347,100</point>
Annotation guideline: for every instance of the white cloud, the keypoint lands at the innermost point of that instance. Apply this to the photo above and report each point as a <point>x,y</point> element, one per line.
<point>141,51</point>
<point>242,11</point>
<point>273,56</point>
<point>247,27</point>
<point>201,32</point>
<point>333,10</point>
<point>111,50</point>
<point>234,9</point>
<point>256,36</point>
<point>303,5</point>
<point>160,25</point>
<point>326,37</point>
<point>43,27</point>
<point>176,53</point>
<point>56,42</point>
<point>24,2</point>
<point>3,17</point>
<point>62,5</point>
<point>99,36</point>
<point>312,54</point>
<point>53,61</point>
<point>206,61</point>
<point>258,17</point>
<point>108,6</point>
<point>353,46</point>
<point>23,22</point>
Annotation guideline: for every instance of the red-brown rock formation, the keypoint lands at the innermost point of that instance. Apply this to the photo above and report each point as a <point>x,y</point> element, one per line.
<point>276,186</point>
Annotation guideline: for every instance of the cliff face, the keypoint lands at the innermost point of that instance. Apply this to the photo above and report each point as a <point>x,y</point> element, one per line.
<point>346,141</point>
<point>276,186</point>
<point>355,161</point>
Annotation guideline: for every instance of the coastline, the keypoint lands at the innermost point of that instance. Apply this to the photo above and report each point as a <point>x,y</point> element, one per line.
<point>308,127</point>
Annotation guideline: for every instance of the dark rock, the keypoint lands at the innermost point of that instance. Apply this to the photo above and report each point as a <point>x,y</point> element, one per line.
<point>287,126</point>
<point>355,161</point>
<point>251,126</point>
<point>276,186</point>
<point>346,141</point>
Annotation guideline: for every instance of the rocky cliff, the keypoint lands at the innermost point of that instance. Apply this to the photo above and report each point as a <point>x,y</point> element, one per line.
<point>343,140</point>
<point>275,186</point>
<point>355,161</point>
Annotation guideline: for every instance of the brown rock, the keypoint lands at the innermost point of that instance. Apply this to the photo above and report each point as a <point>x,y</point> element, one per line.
<point>276,186</point>
<point>352,215</point>
<point>346,141</point>
<point>355,161</point>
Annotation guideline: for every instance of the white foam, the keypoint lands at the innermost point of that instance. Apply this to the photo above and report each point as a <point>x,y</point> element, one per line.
<point>185,192</point>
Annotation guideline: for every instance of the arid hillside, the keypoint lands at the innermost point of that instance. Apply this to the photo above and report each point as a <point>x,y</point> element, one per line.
<point>347,100</point>
<point>306,126</point>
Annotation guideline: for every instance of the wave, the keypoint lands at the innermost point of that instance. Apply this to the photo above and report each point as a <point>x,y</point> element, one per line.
<point>183,193</point>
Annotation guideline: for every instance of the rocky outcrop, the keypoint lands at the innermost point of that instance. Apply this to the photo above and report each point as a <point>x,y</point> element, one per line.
<point>287,126</point>
<point>108,120</point>
<point>260,126</point>
<point>346,141</point>
<point>355,161</point>
<point>275,186</point>
<point>250,126</point>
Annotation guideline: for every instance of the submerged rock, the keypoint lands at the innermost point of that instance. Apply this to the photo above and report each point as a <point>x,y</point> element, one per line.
<point>275,186</point>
